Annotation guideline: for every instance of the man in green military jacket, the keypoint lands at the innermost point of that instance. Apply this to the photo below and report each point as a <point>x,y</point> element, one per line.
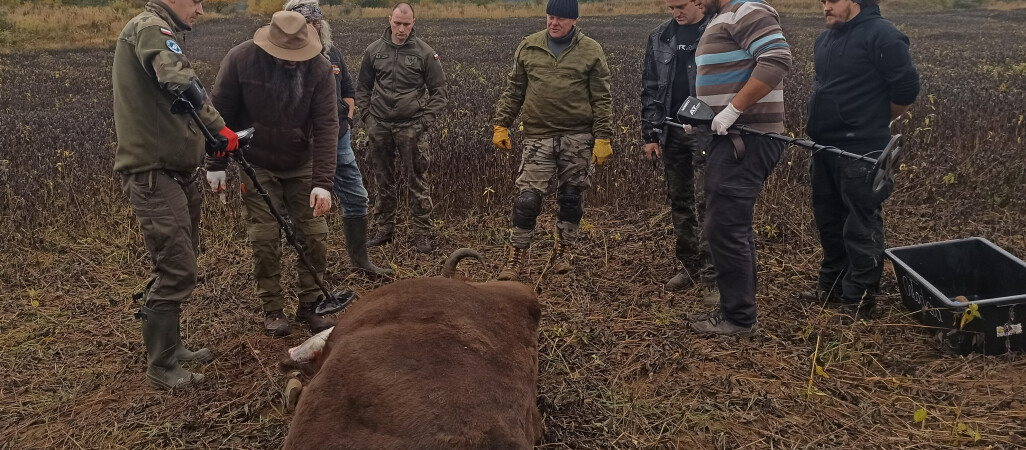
<point>559,86</point>
<point>400,93</point>
<point>157,155</point>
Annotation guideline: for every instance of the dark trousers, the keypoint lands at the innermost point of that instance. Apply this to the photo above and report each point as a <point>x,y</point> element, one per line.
<point>167,205</point>
<point>685,167</point>
<point>850,221</point>
<point>732,185</point>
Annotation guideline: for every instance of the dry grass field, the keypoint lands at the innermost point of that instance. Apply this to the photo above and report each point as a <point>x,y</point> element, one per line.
<point>619,368</point>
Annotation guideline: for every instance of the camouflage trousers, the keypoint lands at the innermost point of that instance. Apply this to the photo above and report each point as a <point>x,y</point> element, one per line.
<point>290,193</point>
<point>167,205</point>
<point>406,141</point>
<point>685,170</point>
<point>550,164</point>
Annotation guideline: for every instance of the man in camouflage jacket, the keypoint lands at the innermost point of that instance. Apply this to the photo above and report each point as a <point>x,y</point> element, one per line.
<point>157,156</point>
<point>400,93</point>
<point>559,86</point>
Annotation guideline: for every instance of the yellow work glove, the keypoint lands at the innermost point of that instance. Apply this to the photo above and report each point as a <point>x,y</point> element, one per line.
<point>601,151</point>
<point>500,138</point>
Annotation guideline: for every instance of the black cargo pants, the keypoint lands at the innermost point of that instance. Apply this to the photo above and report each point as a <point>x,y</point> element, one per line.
<point>733,180</point>
<point>849,216</point>
<point>685,168</point>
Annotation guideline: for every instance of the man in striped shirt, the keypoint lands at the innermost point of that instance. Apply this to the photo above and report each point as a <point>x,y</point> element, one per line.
<point>742,60</point>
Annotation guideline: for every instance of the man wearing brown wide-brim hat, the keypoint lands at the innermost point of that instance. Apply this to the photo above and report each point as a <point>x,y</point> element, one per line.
<point>279,84</point>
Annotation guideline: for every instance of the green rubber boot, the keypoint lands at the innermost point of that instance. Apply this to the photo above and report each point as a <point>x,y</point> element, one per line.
<point>160,336</point>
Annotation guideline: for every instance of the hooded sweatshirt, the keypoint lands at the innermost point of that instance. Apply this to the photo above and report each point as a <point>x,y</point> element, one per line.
<point>861,68</point>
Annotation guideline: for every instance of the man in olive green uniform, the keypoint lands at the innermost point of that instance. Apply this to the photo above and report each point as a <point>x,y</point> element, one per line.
<point>157,156</point>
<point>399,94</point>
<point>559,86</point>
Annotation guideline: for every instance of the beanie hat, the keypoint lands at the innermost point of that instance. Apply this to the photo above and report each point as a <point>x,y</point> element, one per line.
<point>566,9</point>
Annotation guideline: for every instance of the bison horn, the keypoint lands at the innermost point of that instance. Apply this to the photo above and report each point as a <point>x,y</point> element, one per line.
<point>449,269</point>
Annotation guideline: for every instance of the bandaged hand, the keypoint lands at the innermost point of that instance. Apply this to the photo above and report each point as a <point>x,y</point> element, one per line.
<point>320,201</point>
<point>217,180</point>
<point>723,121</point>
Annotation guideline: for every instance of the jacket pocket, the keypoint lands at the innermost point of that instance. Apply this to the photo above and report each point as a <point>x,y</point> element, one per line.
<point>825,117</point>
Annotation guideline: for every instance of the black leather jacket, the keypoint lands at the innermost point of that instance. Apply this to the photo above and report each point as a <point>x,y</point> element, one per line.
<point>657,79</point>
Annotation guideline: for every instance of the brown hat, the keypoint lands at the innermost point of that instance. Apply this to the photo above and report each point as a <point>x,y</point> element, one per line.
<point>289,37</point>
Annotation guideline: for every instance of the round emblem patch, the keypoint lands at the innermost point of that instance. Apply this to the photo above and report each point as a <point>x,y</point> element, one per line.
<point>173,46</point>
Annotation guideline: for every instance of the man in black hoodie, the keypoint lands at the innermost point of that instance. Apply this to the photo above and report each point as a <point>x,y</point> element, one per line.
<point>865,79</point>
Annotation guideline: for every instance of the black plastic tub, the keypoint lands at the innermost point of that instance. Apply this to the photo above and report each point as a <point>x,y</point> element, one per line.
<point>939,281</point>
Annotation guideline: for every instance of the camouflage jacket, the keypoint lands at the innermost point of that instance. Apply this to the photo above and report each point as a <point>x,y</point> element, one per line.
<point>556,96</point>
<point>399,83</point>
<point>148,62</point>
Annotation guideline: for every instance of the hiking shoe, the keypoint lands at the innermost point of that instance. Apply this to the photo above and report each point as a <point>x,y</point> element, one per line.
<point>849,313</point>
<point>423,243</point>
<point>561,259</point>
<point>711,296</point>
<point>681,281</point>
<point>701,316</point>
<point>820,297</point>
<point>305,313</point>
<point>275,324</point>
<point>515,263</point>
<point>381,237</point>
<point>716,324</point>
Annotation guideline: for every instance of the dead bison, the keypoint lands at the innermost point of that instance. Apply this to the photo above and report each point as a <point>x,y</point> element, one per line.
<point>427,363</point>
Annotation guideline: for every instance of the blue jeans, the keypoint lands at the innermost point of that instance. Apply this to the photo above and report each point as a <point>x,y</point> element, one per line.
<point>352,196</point>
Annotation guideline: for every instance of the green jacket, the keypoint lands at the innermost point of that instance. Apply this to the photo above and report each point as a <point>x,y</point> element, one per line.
<point>392,81</point>
<point>147,63</point>
<point>556,96</point>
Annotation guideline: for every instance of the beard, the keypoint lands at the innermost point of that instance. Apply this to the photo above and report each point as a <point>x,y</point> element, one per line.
<point>287,85</point>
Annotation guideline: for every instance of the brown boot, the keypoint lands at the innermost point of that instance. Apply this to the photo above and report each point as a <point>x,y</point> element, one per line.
<point>423,243</point>
<point>275,324</point>
<point>305,314</point>
<point>381,237</point>
<point>561,258</point>
<point>515,262</point>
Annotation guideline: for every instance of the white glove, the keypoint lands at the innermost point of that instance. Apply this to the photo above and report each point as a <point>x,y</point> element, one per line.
<point>725,119</point>
<point>320,201</point>
<point>218,181</point>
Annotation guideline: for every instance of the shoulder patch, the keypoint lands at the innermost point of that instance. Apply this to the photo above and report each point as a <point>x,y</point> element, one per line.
<point>335,69</point>
<point>436,55</point>
<point>173,46</point>
<point>166,31</point>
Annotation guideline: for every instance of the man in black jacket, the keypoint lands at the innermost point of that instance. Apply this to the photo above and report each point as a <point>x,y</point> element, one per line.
<point>668,79</point>
<point>865,79</point>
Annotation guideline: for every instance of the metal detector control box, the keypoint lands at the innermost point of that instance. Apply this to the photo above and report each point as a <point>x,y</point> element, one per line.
<point>944,282</point>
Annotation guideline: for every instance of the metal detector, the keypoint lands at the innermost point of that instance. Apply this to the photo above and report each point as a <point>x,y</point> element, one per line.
<point>696,112</point>
<point>329,302</point>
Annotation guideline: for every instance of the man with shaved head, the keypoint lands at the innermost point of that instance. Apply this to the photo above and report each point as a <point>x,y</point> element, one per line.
<point>399,94</point>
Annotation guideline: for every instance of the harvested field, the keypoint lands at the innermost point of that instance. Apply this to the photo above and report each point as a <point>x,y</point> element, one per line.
<point>619,368</point>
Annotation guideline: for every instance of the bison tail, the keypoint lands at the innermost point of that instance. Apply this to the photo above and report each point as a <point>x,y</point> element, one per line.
<point>449,269</point>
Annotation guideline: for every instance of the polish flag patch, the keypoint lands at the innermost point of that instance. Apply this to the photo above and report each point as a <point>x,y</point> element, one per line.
<point>436,56</point>
<point>167,32</point>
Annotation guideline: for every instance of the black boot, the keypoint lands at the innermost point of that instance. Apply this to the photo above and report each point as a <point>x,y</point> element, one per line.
<point>160,336</point>
<point>355,230</point>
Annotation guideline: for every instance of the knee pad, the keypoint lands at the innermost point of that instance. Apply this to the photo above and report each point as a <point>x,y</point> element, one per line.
<point>570,204</point>
<point>526,209</point>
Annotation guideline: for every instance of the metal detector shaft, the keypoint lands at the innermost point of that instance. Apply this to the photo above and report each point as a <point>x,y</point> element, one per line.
<point>794,141</point>
<point>283,222</point>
